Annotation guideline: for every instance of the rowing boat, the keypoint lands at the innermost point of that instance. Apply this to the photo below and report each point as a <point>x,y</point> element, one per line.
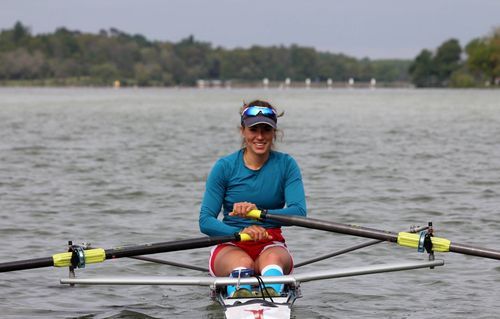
<point>258,305</point>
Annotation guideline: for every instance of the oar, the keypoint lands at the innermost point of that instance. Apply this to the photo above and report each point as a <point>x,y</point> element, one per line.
<point>79,257</point>
<point>402,238</point>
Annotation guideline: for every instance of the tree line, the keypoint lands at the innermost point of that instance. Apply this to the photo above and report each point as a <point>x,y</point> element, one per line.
<point>67,57</point>
<point>446,67</point>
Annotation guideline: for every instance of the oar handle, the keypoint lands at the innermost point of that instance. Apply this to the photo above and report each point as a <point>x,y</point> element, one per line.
<point>243,237</point>
<point>257,214</point>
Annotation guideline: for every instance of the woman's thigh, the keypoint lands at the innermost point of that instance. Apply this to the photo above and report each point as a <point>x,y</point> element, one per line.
<point>229,258</point>
<point>275,256</point>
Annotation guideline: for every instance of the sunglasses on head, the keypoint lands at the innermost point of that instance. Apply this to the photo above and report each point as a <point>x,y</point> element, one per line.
<point>258,110</point>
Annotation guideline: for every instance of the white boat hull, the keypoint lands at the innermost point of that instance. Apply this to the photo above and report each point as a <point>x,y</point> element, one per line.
<point>256,309</point>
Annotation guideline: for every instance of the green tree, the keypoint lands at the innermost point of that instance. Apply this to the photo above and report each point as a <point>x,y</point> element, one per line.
<point>148,74</point>
<point>17,37</point>
<point>422,70</point>
<point>428,70</point>
<point>447,60</point>
<point>391,70</point>
<point>73,57</point>
<point>64,44</point>
<point>195,58</point>
<point>105,73</point>
<point>484,57</point>
<point>304,62</point>
<point>21,65</point>
<point>20,33</point>
<point>462,79</point>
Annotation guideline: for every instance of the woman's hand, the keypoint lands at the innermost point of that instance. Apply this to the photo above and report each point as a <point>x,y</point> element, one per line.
<point>242,209</point>
<point>256,232</point>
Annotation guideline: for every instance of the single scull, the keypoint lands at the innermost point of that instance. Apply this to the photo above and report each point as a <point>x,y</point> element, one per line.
<point>258,305</point>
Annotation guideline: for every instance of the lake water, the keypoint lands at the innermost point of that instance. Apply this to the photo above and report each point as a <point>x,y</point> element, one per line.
<point>115,167</point>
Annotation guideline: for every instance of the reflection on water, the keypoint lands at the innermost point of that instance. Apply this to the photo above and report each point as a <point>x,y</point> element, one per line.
<point>115,167</point>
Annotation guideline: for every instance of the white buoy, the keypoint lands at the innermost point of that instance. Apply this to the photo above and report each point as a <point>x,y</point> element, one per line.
<point>373,83</point>
<point>287,82</point>
<point>200,84</point>
<point>329,83</point>
<point>265,82</point>
<point>351,82</point>
<point>216,83</point>
<point>308,83</point>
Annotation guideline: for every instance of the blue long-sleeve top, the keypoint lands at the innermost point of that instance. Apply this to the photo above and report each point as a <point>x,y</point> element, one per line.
<point>277,186</point>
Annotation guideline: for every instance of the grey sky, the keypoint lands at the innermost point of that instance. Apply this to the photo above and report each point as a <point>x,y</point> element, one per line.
<point>360,28</point>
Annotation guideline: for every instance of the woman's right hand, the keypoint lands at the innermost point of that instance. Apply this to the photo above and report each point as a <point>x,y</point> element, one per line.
<point>257,233</point>
<point>241,209</point>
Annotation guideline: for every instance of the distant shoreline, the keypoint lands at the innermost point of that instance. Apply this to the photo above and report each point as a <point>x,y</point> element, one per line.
<point>222,85</point>
<point>214,85</point>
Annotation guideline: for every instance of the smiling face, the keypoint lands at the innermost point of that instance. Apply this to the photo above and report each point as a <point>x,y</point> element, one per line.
<point>258,138</point>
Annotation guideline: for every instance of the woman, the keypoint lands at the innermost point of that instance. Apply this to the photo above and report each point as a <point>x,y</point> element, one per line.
<point>254,177</point>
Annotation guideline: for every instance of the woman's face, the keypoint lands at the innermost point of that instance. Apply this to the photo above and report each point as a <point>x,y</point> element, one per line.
<point>258,138</point>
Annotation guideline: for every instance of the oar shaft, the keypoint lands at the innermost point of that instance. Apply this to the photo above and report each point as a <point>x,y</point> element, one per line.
<point>336,227</point>
<point>27,264</point>
<point>155,248</point>
<point>98,255</point>
<point>474,251</point>
<point>439,244</point>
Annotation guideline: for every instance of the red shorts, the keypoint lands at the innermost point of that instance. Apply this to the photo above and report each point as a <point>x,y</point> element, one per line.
<point>252,248</point>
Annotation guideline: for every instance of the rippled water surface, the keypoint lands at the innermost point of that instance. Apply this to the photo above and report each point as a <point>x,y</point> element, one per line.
<point>115,167</point>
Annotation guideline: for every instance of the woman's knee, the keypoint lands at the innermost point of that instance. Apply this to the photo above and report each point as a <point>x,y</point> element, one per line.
<point>228,260</point>
<point>275,256</point>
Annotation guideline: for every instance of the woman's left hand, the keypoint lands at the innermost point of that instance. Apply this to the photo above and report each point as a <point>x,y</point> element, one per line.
<point>257,232</point>
<point>241,209</point>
